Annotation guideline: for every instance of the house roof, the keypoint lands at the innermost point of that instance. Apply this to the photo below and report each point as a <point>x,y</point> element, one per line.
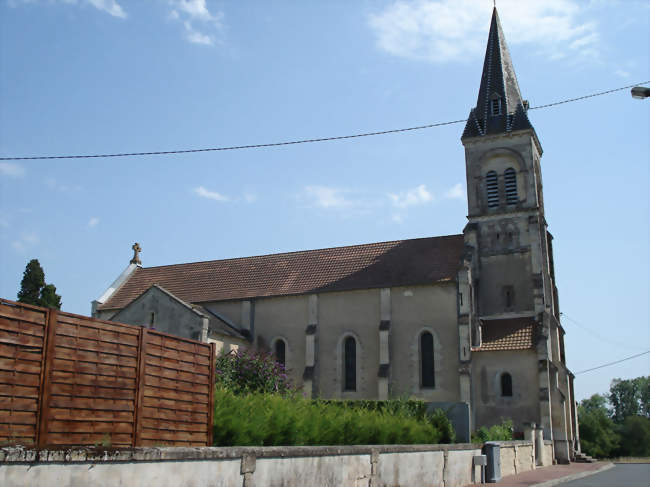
<point>498,81</point>
<point>507,334</point>
<point>383,264</point>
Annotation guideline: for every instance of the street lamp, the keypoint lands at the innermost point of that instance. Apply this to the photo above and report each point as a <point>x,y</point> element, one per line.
<point>640,92</point>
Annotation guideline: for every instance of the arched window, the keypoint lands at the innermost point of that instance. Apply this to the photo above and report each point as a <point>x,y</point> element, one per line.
<point>350,364</point>
<point>280,350</point>
<point>492,187</point>
<point>427,372</point>
<point>506,385</point>
<point>510,179</point>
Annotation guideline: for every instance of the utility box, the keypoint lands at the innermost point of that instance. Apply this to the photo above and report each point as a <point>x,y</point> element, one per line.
<point>493,468</point>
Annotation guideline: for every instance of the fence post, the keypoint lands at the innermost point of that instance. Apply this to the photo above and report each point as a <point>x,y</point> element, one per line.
<point>139,387</point>
<point>46,384</point>
<point>213,366</point>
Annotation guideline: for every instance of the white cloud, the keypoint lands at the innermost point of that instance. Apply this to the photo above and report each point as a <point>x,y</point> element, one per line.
<point>411,197</point>
<point>93,222</point>
<point>12,170</point>
<point>201,25</point>
<point>111,7</point>
<point>326,197</point>
<point>455,30</point>
<point>455,192</point>
<point>194,8</point>
<point>211,195</point>
<point>250,197</point>
<point>197,37</point>
<point>53,184</point>
<point>25,242</point>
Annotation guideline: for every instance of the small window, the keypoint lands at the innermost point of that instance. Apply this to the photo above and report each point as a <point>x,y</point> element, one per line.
<point>152,320</point>
<point>280,349</point>
<point>350,363</point>
<point>506,385</point>
<point>496,107</point>
<point>510,180</point>
<point>427,372</point>
<point>492,188</point>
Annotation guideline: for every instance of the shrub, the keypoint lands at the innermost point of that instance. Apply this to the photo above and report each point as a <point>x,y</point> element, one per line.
<point>497,432</point>
<point>265,419</point>
<point>251,371</point>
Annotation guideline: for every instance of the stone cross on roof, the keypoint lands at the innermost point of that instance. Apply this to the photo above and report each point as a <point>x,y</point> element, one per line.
<point>136,254</point>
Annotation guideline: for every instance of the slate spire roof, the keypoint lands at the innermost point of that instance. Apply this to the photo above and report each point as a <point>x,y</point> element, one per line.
<point>500,107</point>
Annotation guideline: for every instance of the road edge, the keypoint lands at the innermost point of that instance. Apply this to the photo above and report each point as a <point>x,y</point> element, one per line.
<point>575,476</point>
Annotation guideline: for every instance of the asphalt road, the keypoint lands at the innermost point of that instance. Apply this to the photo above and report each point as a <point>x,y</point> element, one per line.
<point>621,475</point>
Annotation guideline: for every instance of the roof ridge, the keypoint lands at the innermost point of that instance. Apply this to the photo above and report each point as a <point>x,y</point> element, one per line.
<point>303,251</point>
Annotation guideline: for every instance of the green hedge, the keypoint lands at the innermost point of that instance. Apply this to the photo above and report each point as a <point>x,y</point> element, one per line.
<point>272,419</point>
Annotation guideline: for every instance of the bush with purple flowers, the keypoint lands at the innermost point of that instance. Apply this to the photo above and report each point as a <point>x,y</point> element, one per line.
<point>251,371</point>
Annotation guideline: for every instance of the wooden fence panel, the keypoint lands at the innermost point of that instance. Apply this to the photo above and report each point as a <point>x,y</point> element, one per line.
<point>69,380</point>
<point>175,391</point>
<point>23,329</point>
<point>90,391</point>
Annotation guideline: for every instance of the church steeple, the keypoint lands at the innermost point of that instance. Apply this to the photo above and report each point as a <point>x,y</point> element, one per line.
<point>500,107</point>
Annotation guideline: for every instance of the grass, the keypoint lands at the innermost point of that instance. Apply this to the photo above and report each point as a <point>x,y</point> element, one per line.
<point>631,460</point>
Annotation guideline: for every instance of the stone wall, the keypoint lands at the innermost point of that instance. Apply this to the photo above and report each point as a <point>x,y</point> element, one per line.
<point>517,457</point>
<point>354,466</point>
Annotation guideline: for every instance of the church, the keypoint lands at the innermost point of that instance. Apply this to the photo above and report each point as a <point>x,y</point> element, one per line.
<point>471,318</point>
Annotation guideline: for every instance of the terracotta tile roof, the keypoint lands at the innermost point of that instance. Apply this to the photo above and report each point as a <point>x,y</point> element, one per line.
<point>508,334</point>
<point>397,263</point>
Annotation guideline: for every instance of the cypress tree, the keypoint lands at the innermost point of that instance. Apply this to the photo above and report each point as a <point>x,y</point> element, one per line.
<point>33,289</point>
<point>32,283</point>
<point>49,297</point>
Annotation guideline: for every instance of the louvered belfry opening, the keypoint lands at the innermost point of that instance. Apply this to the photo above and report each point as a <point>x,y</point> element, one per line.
<point>496,106</point>
<point>492,187</point>
<point>510,179</point>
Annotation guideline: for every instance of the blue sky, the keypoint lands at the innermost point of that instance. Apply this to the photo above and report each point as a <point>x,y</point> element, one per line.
<point>103,76</point>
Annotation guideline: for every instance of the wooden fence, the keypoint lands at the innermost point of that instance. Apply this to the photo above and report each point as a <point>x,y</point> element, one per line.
<point>69,380</point>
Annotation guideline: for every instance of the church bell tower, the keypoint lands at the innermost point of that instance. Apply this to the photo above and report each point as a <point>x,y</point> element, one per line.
<point>509,250</point>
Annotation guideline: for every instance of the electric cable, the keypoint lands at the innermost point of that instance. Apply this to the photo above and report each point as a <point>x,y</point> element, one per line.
<point>613,363</point>
<point>594,333</point>
<point>301,141</point>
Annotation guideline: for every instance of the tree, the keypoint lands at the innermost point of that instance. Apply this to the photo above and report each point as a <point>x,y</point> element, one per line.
<point>49,297</point>
<point>33,289</point>
<point>643,385</point>
<point>32,283</point>
<point>635,435</point>
<point>598,435</point>
<point>624,396</point>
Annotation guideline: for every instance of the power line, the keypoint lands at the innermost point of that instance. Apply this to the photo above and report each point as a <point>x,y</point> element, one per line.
<point>302,141</point>
<point>613,363</point>
<point>610,341</point>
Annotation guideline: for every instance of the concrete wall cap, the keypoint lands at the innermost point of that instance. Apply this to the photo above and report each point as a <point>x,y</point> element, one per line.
<point>148,454</point>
